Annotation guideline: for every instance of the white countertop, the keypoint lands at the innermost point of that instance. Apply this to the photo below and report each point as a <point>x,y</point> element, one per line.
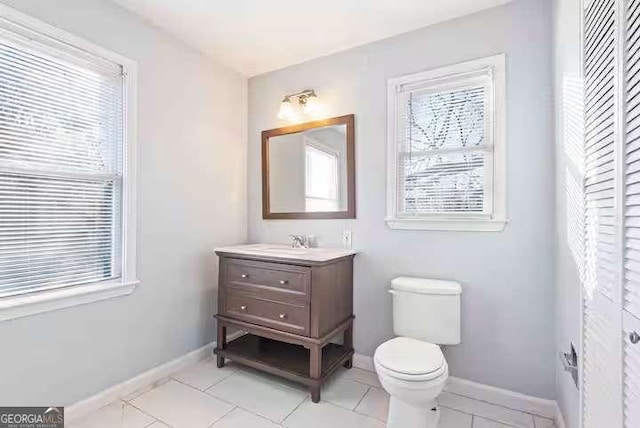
<point>287,252</point>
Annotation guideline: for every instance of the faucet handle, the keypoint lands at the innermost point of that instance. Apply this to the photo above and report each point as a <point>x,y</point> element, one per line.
<point>309,240</point>
<point>296,241</point>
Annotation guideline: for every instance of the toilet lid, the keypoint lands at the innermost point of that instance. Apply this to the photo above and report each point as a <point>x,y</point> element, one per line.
<point>409,356</point>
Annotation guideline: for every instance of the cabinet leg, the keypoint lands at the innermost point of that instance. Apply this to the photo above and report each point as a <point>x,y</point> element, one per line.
<point>315,394</point>
<point>219,362</point>
<point>315,370</point>
<point>315,362</point>
<point>222,344</point>
<point>348,342</point>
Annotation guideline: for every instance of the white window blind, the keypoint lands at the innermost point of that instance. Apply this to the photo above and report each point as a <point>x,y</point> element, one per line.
<point>443,144</point>
<point>61,165</point>
<point>445,148</point>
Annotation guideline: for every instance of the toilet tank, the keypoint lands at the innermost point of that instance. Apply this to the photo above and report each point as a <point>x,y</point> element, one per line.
<point>427,309</point>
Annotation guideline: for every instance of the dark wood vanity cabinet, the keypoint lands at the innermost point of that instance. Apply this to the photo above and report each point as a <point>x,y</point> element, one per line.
<point>292,311</point>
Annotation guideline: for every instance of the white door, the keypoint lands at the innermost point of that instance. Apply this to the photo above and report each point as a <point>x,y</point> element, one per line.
<point>600,343</point>
<point>630,293</point>
<point>611,284</point>
<point>631,371</point>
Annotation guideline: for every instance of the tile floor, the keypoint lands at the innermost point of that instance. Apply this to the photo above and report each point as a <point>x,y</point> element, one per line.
<point>203,396</point>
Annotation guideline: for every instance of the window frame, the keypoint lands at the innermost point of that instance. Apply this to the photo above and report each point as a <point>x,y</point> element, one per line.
<point>39,301</point>
<point>448,78</point>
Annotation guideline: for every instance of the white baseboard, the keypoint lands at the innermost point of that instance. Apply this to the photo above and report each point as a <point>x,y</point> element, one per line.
<point>490,394</point>
<point>502,397</point>
<point>143,380</point>
<point>363,362</point>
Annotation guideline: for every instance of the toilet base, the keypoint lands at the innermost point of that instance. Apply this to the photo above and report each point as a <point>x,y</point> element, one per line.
<point>406,415</point>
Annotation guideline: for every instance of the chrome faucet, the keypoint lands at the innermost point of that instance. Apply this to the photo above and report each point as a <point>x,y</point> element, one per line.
<point>300,241</point>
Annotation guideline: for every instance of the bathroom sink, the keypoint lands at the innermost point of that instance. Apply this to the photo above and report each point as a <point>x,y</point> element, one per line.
<point>284,250</point>
<point>287,252</point>
<point>274,250</point>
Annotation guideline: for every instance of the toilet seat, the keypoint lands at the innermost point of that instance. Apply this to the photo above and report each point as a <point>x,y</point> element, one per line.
<point>410,359</point>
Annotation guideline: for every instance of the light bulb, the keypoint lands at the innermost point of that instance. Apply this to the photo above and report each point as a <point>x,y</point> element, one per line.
<point>287,112</point>
<point>313,107</point>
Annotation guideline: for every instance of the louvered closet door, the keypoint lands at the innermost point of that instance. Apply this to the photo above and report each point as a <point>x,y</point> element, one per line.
<point>632,203</point>
<point>631,292</point>
<point>631,372</point>
<point>601,344</point>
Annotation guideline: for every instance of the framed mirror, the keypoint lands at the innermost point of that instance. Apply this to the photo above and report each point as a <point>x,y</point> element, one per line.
<point>308,170</point>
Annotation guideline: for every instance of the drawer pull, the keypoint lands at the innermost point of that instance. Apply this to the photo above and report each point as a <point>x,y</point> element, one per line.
<point>284,281</point>
<point>634,337</point>
<point>245,275</point>
<point>243,308</point>
<point>282,316</point>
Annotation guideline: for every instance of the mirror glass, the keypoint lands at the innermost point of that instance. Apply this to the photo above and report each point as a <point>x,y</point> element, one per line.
<point>308,171</point>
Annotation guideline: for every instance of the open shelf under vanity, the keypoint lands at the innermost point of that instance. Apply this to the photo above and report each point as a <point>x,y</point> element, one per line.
<point>284,359</point>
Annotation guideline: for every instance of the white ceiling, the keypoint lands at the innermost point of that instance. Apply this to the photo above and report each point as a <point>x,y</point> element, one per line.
<point>256,36</point>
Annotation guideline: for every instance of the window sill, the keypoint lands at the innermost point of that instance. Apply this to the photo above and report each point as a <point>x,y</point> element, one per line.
<point>44,301</point>
<point>462,225</point>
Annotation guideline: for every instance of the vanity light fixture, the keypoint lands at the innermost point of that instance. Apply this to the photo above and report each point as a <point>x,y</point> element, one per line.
<point>287,112</point>
<point>308,101</point>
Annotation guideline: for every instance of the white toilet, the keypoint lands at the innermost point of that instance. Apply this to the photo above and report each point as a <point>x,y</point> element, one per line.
<point>411,367</point>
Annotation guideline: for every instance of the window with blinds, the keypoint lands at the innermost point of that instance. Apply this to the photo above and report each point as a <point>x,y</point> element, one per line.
<point>443,144</point>
<point>62,150</point>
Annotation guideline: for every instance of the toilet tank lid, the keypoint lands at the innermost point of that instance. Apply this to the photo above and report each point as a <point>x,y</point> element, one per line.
<point>426,285</point>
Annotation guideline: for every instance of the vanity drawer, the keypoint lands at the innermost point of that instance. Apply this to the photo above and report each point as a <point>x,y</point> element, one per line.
<point>293,280</point>
<point>280,316</point>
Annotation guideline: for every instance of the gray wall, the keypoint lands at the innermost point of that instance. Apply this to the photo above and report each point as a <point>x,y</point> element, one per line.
<point>192,150</point>
<point>508,313</point>
<point>569,178</point>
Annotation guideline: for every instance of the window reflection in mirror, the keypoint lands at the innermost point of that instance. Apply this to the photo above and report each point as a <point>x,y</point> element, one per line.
<point>322,188</point>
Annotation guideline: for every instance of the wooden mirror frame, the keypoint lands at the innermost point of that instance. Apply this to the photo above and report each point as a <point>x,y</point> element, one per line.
<point>349,121</point>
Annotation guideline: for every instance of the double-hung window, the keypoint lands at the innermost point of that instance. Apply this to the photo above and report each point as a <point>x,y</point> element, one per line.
<point>446,148</point>
<point>67,225</point>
